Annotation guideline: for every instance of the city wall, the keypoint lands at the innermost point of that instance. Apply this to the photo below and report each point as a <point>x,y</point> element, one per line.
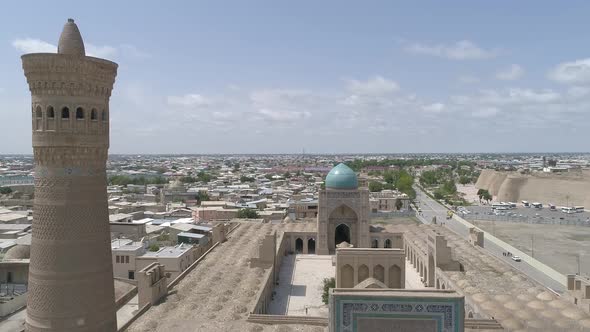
<point>562,189</point>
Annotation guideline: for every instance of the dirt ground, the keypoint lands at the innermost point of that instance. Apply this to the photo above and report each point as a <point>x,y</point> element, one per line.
<point>558,246</point>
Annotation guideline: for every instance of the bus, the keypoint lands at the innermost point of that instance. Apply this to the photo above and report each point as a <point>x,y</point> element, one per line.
<point>500,206</point>
<point>537,205</point>
<point>579,209</point>
<point>568,210</point>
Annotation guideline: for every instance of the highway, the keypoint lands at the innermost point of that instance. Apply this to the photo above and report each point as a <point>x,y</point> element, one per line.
<point>431,208</point>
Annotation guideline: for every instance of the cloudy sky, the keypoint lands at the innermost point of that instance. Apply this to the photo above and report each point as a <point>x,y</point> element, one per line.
<point>324,76</point>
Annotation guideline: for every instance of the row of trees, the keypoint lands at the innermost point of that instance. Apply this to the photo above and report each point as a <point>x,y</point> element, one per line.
<point>400,180</point>
<point>200,177</point>
<point>5,190</point>
<point>359,164</point>
<point>123,180</point>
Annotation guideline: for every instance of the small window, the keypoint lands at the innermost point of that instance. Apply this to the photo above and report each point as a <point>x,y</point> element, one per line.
<point>103,115</point>
<point>93,115</point>
<point>79,113</point>
<point>50,112</point>
<point>65,113</point>
<point>117,259</point>
<point>126,259</point>
<point>38,112</point>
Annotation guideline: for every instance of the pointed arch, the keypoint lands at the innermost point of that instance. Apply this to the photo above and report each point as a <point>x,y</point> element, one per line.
<point>363,273</point>
<point>347,276</point>
<point>379,272</point>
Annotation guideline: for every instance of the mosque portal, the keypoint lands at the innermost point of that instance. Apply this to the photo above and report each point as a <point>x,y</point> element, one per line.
<point>343,211</point>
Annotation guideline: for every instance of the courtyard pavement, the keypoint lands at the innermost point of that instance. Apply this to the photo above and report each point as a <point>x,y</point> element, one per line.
<point>301,285</point>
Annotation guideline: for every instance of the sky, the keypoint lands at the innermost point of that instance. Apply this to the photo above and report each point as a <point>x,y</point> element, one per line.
<point>328,76</point>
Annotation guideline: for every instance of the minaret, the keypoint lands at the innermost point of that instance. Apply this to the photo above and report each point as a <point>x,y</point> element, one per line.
<point>70,273</point>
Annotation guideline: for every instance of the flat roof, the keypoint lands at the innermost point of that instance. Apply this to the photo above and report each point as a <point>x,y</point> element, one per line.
<point>167,252</point>
<point>192,235</point>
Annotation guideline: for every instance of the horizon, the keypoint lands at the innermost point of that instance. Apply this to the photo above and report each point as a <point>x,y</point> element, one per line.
<point>207,78</point>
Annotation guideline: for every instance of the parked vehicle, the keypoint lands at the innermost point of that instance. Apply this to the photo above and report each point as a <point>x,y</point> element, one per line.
<point>526,204</point>
<point>537,205</point>
<point>516,258</point>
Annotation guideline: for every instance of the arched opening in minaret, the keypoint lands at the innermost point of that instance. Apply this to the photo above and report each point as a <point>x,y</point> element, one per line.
<point>103,115</point>
<point>65,113</point>
<point>38,112</point>
<point>50,112</point>
<point>342,234</point>
<point>93,115</point>
<point>79,113</point>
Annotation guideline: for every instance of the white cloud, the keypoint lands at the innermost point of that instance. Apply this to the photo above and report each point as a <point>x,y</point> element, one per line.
<point>189,100</point>
<point>577,71</point>
<point>485,112</point>
<point>283,116</point>
<point>373,86</point>
<point>30,45</point>
<point>105,52</point>
<point>461,50</point>
<point>279,98</point>
<point>511,73</point>
<point>434,108</point>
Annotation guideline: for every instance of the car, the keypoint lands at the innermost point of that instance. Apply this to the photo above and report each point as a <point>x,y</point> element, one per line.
<point>516,258</point>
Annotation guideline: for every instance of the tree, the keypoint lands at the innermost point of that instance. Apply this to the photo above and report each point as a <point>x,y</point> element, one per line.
<point>375,186</point>
<point>204,177</point>
<point>438,194</point>
<point>328,283</point>
<point>449,187</point>
<point>287,175</point>
<point>487,196</point>
<point>244,178</point>
<point>154,247</point>
<point>247,213</point>
<point>5,190</point>
<point>398,204</point>
<point>203,196</point>
<point>269,176</point>
<point>464,180</point>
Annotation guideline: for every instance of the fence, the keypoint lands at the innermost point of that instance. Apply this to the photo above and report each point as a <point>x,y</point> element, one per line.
<point>572,221</point>
<point>392,214</point>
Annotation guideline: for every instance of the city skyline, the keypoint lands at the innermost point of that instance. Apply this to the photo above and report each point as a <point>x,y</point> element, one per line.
<point>209,78</point>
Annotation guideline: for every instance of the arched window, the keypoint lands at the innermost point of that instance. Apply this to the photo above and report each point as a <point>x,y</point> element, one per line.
<point>387,243</point>
<point>103,115</point>
<point>38,112</point>
<point>65,113</point>
<point>50,112</point>
<point>79,113</point>
<point>93,115</point>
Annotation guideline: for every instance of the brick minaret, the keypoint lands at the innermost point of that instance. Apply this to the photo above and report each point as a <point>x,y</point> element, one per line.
<point>70,274</point>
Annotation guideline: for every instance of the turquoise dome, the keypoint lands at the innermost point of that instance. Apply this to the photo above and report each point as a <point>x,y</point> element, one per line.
<point>342,177</point>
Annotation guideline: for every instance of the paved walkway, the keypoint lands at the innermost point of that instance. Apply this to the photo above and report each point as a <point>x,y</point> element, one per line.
<point>413,280</point>
<point>301,285</point>
<point>14,323</point>
<point>126,312</point>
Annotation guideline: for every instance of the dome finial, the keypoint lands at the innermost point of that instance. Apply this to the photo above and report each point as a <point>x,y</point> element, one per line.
<point>70,41</point>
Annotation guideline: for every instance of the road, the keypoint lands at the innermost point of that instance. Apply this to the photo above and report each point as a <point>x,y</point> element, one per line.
<point>431,208</point>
